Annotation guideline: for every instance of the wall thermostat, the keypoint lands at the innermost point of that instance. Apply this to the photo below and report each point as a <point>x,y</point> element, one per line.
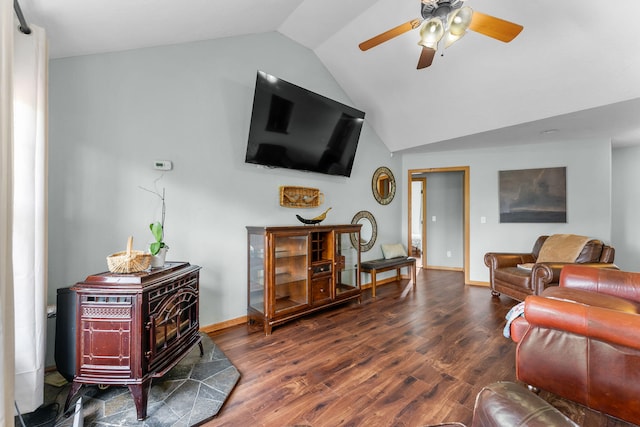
<point>163,165</point>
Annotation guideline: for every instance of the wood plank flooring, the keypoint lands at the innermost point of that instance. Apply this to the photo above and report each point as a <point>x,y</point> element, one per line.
<point>410,357</point>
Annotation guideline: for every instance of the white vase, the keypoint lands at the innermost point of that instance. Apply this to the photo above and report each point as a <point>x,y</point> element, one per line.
<point>157,261</point>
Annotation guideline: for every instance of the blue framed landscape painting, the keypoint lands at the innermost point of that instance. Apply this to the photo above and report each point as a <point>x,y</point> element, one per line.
<point>533,195</point>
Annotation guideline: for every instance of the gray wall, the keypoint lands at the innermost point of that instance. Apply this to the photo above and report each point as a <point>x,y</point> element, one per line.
<point>445,235</point>
<point>625,227</point>
<point>112,115</point>
<point>588,193</point>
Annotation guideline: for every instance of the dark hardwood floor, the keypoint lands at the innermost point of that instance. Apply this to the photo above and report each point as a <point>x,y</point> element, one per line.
<point>410,357</point>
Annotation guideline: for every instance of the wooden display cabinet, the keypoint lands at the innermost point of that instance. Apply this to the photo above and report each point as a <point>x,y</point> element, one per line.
<point>294,271</point>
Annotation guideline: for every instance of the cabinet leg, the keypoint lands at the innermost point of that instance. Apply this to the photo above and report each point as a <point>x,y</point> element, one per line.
<point>140,393</point>
<point>75,388</point>
<point>201,348</point>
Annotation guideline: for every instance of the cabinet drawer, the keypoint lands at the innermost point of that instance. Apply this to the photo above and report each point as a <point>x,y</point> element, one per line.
<point>320,290</point>
<point>321,269</point>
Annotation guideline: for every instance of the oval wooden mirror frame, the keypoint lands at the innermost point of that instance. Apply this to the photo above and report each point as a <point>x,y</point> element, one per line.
<point>368,230</point>
<point>383,185</point>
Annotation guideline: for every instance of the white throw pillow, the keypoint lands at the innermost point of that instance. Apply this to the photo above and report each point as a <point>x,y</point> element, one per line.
<point>393,251</point>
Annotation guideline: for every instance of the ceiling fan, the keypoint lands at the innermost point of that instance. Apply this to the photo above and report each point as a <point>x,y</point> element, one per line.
<point>446,20</point>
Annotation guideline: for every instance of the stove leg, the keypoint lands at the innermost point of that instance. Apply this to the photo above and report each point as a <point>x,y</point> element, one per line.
<point>75,388</point>
<point>140,393</point>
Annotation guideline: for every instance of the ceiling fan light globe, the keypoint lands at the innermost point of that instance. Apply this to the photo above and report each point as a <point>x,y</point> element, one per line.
<point>431,33</point>
<point>450,39</point>
<point>460,20</point>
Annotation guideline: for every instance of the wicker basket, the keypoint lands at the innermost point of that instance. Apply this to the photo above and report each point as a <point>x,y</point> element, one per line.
<point>129,261</point>
<point>300,197</point>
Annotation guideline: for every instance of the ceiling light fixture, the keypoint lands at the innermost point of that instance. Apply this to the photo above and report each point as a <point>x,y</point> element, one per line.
<point>458,23</point>
<point>446,20</point>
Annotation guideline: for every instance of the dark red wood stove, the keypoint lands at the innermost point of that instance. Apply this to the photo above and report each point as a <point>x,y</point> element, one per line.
<point>131,328</point>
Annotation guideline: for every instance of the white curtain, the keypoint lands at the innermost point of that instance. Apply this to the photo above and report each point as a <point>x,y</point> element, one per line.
<point>30,215</point>
<point>6,203</point>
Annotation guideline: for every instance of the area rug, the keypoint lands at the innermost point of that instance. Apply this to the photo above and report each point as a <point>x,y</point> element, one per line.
<point>190,394</point>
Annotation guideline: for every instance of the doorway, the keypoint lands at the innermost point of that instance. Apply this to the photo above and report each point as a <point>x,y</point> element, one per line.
<point>425,235</point>
<point>418,219</point>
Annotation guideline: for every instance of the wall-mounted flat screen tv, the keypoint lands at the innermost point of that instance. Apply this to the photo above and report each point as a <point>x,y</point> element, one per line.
<point>294,128</point>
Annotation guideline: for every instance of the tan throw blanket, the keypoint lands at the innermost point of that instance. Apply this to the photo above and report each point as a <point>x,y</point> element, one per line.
<point>562,248</point>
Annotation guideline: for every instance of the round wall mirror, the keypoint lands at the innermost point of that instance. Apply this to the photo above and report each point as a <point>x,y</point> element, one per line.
<point>368,231</point>
<point>383,185</point>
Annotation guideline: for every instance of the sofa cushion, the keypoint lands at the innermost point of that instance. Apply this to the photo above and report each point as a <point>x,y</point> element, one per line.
<point>513,275</point>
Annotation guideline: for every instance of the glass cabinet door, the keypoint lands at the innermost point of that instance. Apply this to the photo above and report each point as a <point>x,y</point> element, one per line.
<point>290,273</point>
<point>347,261</point>
<point>256,272</point>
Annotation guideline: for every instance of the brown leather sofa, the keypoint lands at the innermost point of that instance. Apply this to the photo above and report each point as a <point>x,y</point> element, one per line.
<point>581,340</point>
<point>506,277</point>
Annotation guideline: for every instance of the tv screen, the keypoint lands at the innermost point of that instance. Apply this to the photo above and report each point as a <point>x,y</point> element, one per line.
<point>295,128</point>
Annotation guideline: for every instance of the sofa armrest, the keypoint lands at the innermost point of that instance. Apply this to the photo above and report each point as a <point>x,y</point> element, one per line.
<point>544,273</point>
<point>607,279</point>
<point>495,260</point>
<point>518,328</point>
<point>611,326</point>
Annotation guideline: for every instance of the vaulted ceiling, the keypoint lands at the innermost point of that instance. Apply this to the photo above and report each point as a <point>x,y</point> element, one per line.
<point>571,73</point>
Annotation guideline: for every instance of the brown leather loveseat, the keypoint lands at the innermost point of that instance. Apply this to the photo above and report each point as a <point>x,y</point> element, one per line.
<point>581,340</point>
<point>517,282</point>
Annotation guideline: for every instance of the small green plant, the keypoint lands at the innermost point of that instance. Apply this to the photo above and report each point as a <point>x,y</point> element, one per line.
<point>157,228</point>
<point>158,234</point>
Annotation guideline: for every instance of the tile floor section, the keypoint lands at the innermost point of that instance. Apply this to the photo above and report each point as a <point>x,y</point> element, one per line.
<point>188,395</point>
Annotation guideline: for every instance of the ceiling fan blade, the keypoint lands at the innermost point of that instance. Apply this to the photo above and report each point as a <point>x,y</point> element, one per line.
<point>388,35</point>
<point>426,57</point>
<point>496,28</point>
